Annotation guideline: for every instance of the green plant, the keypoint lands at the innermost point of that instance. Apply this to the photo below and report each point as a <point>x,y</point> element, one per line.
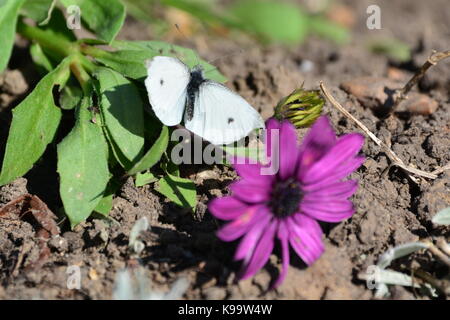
<point>267,20</point>
<point>102,90</point>
<point>427,283</point>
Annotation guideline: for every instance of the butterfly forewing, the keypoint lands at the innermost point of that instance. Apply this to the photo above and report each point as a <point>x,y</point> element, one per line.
<point>166,85</point>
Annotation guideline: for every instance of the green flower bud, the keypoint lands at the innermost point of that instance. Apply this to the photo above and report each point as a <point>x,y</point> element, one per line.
<point>301,107</point>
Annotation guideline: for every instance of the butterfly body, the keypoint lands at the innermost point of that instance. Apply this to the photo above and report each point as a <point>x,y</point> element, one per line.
<point>207,108</point>
<point>196,79</point>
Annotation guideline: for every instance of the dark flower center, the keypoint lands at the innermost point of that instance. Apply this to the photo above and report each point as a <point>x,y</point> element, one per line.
<point>286,197</point>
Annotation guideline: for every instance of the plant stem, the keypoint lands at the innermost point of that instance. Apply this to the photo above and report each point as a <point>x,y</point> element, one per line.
<point>92,51</point>
<point>51,42</point>
<point>82,76</point>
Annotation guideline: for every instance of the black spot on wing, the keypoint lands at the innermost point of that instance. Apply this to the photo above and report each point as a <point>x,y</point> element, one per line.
<point>161,82</point>
<point>230,120</point>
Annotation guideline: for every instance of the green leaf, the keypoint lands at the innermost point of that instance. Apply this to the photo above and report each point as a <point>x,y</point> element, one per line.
<point>393,48</point>
<point>40,59</point>
<point>154,154</point>
<point>9,11</point>
<point>38,10</point>
<point>131,56</point>
<point>130,63</point>
<point>70,96</point>
<point>34,125</point>
<point>83,166</point>
<point>398,252</point>
<point>105,205</point>
<point>395,278</point>
<point>123,112</point>
<point>104,18</point>
<point>144,178</point>
<point>254,153</point>
<point>273,21</point>
<point>57,26</point>
<point>329,30</point>
<point>179,190</point>
<point>442,217</point>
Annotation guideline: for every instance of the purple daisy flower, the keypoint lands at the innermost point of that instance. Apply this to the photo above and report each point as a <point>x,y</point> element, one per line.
<point>286,205</point>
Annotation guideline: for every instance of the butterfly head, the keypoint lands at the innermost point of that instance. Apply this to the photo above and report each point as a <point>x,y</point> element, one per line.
<point>197,77</point>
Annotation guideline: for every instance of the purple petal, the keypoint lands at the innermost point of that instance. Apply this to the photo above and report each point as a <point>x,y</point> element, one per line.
<point>235,229</point>
<point>333,211</point>
<point>271,124</point>
<point>288,150</point>
<point>262,251</point>
<point>248,243</point>
<point>345,148</point>
<point>283,235</point>
<point>334,191</point>
<point>227,208</point>
<point>249,192</point>
<point>305,237</point>
<point>339,173</point>
<point>318,141</point>
<point>252,173</point>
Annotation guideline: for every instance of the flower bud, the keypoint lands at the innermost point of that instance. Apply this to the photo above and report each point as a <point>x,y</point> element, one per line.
<point>301,107</point>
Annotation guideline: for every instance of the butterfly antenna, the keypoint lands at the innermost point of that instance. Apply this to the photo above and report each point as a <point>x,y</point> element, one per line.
<point>197,62</point>
<point>240,51</point>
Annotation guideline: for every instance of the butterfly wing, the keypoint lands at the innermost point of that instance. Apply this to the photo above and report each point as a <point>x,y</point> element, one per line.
<point>166,85</point>
<point>222,116</point>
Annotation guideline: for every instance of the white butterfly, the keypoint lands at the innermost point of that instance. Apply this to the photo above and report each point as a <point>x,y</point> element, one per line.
<point>210,109</point>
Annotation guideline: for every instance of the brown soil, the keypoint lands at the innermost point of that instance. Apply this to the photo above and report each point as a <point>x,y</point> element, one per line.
<point>390,208</point>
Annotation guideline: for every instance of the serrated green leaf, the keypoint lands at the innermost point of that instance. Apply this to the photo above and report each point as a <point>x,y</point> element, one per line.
<point>104,18</point>
<point>273,21</point>
<point>38,10</point>
<point>131,56</point>
<point>154,154</point>
<point>34,125</point>
<point>123,112</point>
<point>83,166</point>
<point>442,217</point>
<point>179,190</point>
<point>9,11</point>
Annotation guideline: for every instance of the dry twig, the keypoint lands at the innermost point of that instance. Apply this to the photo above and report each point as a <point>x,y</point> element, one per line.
<point>438,253</point>
<point>389,153</point>
<point>443,245</point>
<point>402,93</point>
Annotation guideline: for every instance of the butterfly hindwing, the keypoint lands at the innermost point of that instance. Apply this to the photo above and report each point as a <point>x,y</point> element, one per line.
<point>166,86</point>
<point>222,116</point>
